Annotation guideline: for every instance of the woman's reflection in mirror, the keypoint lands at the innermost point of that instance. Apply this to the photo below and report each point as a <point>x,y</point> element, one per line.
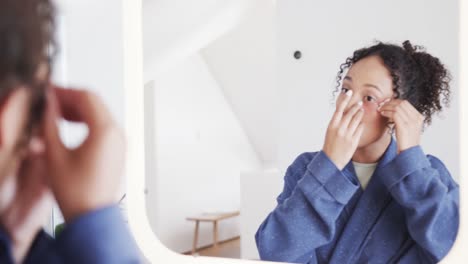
<point>371,195</point>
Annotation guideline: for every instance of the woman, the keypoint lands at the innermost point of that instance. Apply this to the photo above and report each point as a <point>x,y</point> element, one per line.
<point>371,195</point>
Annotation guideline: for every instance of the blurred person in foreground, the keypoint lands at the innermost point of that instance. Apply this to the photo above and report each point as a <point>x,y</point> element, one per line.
<point>35,166</point>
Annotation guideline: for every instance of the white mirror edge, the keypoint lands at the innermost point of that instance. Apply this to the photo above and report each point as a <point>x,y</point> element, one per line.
<point>458,253</point>
<point>150,246</point>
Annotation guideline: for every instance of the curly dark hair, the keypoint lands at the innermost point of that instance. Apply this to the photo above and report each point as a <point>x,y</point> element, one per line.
<point>26,45</point>
<point>417,76</point>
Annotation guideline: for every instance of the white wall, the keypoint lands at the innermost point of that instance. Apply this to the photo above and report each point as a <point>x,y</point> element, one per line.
<point>91,49</point>
<point>175,29</point>
<point>200,150</point>
<point>244,63</point>
<point>259,190</point>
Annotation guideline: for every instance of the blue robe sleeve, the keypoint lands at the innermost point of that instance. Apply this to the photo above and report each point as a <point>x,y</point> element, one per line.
<point>100,236</point>
<point>424,188</point>
<point>315,193</point>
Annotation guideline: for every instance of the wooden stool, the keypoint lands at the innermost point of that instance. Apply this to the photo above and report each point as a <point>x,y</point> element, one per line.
<point>209,217</point>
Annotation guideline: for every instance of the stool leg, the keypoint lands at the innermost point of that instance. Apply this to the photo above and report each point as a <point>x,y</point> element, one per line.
<point>195,238</point>
<point>215,233</point>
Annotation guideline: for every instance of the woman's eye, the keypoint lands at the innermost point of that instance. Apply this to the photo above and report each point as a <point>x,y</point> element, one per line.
<point>369,99</point>
<point>344,90</point>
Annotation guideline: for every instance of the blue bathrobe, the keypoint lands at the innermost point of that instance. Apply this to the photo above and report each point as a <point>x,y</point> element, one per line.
<point>100,237</point>
<point>407,214</point>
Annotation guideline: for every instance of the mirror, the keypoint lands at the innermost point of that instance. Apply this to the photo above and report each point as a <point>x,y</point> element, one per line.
<point>235,91</point>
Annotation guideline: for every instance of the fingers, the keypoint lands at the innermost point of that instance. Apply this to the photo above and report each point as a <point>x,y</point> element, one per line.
<point>356,121</point>
<point>400,111</point>
<point>410,108</point>
<point>350,114</point>
<point>36,145</point>
<point>83,106</point>
<point>396,116</point>
<point>343,102</point>
<point>55,151</point>
<point>394,106</point>
<point>383,102</point>
<point>33,165</point>
<point>358,133</point>
<point>32,175</point>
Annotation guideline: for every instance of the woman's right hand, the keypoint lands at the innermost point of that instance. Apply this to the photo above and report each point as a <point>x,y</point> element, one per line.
<point>87,177</point>
<point>344,131</point>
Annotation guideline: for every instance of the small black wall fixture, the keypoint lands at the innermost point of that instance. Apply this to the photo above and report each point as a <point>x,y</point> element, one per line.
<point>297,54</point>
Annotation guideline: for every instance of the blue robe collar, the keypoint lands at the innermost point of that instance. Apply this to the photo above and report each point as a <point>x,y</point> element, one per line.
<point>367,206</point>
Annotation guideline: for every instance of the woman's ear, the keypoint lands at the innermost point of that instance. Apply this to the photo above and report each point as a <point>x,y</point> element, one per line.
<point>14,114</point>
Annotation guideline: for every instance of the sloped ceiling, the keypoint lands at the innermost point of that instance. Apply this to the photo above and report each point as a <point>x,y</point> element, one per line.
<point>237,39</point>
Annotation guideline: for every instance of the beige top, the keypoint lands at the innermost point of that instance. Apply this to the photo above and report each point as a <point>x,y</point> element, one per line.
<point>364,172</point>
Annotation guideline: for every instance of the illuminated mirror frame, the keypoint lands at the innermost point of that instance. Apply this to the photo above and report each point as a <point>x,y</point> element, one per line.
<point>152,249</point>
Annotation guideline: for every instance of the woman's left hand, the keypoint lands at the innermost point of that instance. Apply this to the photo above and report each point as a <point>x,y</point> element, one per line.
<point>408,122</point>
<point>29,203</point>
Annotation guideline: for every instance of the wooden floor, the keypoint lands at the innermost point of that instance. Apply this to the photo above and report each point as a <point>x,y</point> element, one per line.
<point>225,249</point>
